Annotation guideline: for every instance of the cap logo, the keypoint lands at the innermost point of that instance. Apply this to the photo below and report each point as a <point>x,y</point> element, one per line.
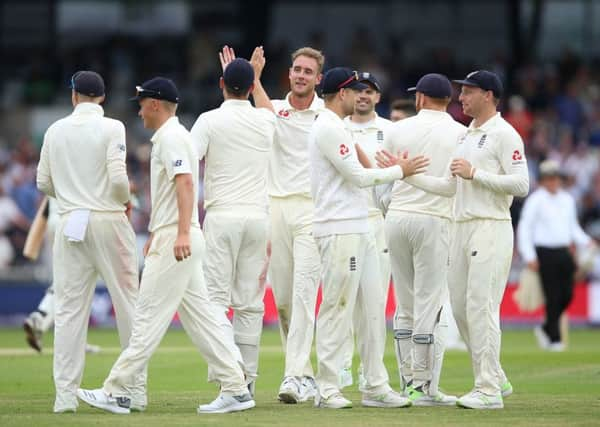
<point>471,74</point>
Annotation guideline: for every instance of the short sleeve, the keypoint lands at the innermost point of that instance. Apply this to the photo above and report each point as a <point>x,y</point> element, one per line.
<point>175,156</point>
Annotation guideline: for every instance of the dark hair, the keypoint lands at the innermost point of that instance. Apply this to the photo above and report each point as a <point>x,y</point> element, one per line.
<point>238,93</point>
<point>406,105</point>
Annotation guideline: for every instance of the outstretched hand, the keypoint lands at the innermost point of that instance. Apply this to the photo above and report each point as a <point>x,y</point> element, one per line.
<point>257,60</point>
<point>226,56</point>
<point>410,166</point>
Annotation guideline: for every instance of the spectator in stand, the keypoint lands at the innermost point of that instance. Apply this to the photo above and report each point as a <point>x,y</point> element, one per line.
<point>11,220</point>
<point>519,117</point>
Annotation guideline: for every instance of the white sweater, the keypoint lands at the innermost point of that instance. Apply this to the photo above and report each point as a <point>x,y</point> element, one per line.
<point>337,178</point>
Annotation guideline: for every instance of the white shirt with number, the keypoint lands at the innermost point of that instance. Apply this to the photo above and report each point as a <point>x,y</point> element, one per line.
<point>289,165</point>
<point>496,150</point>
<point>173,153</point>
<point>82,162</point>
<point>235,140</point>
<point>369,136</point>
<point>337,178</point>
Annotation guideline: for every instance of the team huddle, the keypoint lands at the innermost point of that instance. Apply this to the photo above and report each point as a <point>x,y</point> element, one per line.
<point>311,190</point>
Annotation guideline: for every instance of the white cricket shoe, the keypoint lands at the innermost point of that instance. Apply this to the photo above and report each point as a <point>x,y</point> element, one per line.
<point>390,399</point>
<point>225,403</point>
<point>542,338</point>
<point>33,330</point>
<point>65,404</point>
<point>99,399</point>
<point>345,378</point>
<point>558,347</point>
<point>479,400</point>
<point>335,401</point>
<point>92,349</point>
<point>418,398</point>
<point>292,391</point>
<point>310,389</point>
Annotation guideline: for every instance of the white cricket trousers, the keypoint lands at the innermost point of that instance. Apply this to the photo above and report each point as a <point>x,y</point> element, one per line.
<point>376,226</point>
<point>108,250</point>
<point>236,247</point>
<point>169,286</point>
<point>418,245</point>
<point>351,278</point>
<point>295,272</point>
<point>480,256</point>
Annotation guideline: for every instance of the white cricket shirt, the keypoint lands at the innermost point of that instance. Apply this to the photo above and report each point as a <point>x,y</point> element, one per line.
<point>289,165</point>
<point>435,135</point>
<point>173,153</point>
<point>337,178</point>
<point>235,140</point>
<point>82,162</point>
<point>548,220</point>
<point>369,136</point>
<point>496,150</point>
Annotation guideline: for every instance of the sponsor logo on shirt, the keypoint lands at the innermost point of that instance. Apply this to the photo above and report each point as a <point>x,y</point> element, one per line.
<point>283,113</point>
<point>122,147</point>
<point>482,141</point>
<point>344,149</point>
<point>517,158</point>
<point>177,163</point>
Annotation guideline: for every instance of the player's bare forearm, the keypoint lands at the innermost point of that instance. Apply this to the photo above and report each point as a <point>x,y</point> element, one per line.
<point>184,187</point>
<point>261,98</point>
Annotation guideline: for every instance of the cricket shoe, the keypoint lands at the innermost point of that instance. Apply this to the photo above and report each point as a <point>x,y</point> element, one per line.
<point>65,404</point>
<point>99,399</point>
<point>225,403</point>
<point>506,389</point>
<point>345,378</point>
<point>33,330</point>
<point>419,398</point>
<point>557,347</point>
<point>92,349</point>
<point>310,388</point>
<point>479,400</point>
<point>292,391</point>
<point>390,399</point>
<point>335,401</point>
<point>541,337</point>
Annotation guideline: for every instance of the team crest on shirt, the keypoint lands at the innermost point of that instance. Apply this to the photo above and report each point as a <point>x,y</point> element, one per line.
<point>283,113</point>
<point>482,141</point>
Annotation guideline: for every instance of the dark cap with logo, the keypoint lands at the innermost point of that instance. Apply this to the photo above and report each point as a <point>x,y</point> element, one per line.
<point>433,85</point>
<point>341,78</point>
<point>365,77</point>
<point>239,75</point>
<point>88,83</point>
<point>485,80</point>
<point>157,88</point>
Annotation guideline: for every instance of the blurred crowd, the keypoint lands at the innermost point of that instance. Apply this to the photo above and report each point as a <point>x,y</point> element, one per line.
<point>555,106</point>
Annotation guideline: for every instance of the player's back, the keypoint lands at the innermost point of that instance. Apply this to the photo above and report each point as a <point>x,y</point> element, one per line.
<point>235,141</point>
<point>435,135</point>
<point>78,148</point>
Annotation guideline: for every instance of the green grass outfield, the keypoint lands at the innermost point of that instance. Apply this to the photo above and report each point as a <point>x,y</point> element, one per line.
<point>551,389</point>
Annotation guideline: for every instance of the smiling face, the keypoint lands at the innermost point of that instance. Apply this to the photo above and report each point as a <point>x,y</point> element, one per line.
<point>304,76</point>
<point>366,100</point>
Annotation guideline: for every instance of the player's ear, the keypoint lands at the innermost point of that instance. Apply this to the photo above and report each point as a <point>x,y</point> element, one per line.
<point>221,83</point>
<point>377,97</point>
<point>319,77</point>
<point>251,89</point>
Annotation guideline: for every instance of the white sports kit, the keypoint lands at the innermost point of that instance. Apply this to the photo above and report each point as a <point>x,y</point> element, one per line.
<point>235,141</point>
<point>82,165</point>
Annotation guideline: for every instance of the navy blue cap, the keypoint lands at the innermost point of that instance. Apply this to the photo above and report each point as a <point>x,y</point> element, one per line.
<point>88,83</point>
<point>157,88</point>
<point>433,85</point>
<point>369,78</point>
<point>239,75</point>
<point>341,78</point>
<point>485,80</point>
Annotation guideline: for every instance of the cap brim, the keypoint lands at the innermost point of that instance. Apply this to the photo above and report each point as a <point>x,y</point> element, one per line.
<point>371,83</point>
<point>466,82</point>
<point>355,84</point>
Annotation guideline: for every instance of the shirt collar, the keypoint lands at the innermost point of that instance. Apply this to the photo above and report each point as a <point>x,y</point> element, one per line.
<point>173,121</point>
<point>315,105</point>
<point>427,114</point>
<point>371,124</point>
<point>87,108</point>
<point>234,102</point>
<point>487,125</point>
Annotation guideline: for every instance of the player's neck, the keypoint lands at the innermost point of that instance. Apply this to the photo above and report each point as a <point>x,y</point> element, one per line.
<point>336,108</point>
<point>484,117</point>
<point>301,102</point>
<point>363,118</point>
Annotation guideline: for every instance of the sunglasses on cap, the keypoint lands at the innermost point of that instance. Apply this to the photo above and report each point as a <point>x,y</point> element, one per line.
<point>146,92</point>
<point>353,77</point>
